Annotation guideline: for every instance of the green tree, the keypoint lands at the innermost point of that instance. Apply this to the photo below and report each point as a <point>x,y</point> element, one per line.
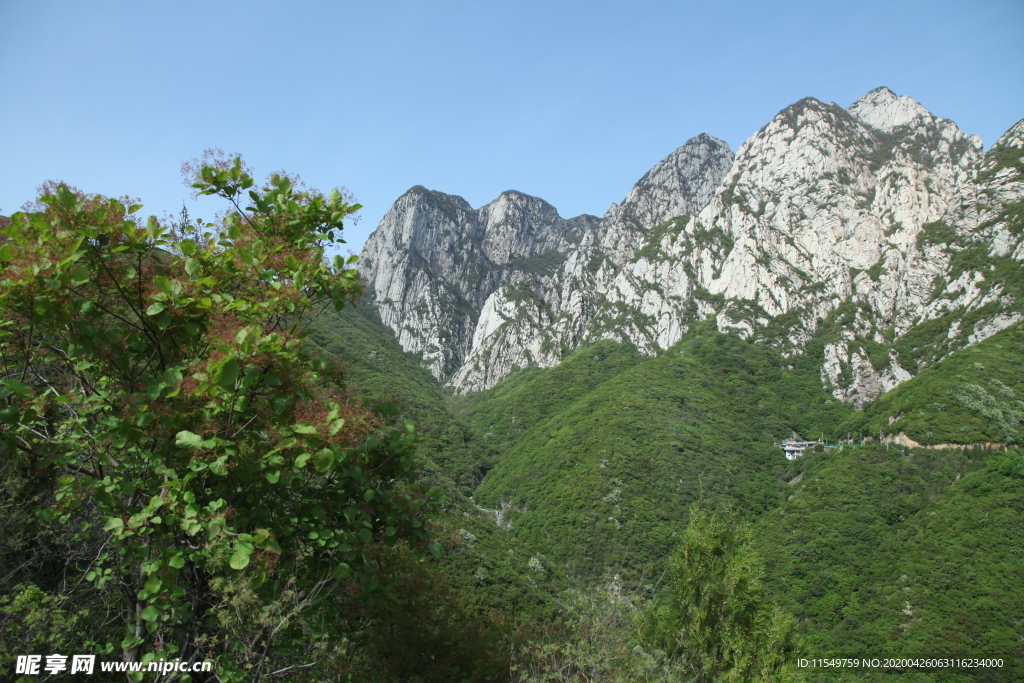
<point>718,622</point>
<point>224,480</point>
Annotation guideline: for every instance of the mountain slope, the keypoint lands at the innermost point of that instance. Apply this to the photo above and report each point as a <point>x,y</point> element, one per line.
<point>376,366</point>
<point>607,475</point>
<point>879,550</point>
<point>482,565</point>
<point>972,397</point>
<point>902,553</point>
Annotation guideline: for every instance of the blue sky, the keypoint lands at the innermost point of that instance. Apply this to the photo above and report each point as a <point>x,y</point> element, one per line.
<point>569,101</point>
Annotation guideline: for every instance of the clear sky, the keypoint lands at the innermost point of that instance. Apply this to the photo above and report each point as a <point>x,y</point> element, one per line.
<point>569,101</point>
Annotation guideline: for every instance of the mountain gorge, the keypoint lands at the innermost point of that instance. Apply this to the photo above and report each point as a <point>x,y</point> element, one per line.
<point>877,213</point>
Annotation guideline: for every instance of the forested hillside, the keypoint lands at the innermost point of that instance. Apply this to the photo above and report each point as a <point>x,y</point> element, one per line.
<point>910,552</point>
<point>876,548</point>
<point>873,547</point>
<point>595,463</point>
<point>972,397</point>
<point>605,475</point>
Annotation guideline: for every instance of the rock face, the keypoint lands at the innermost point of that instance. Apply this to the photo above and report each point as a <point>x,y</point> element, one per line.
<point>435,265</point>
<point>433,262</point>
<point>860,224</point>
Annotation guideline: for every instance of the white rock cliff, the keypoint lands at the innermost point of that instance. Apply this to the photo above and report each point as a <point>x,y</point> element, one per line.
<point>860,218</point>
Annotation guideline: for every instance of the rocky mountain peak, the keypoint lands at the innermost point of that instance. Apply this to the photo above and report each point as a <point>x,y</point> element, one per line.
<point>1013,137</point>
<point>681,183</point>
<point>884,110</point>
<point>434,260</point>
<point>517,225</point>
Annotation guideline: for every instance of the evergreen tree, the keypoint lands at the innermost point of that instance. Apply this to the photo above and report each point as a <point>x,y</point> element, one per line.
<point>718,621</point>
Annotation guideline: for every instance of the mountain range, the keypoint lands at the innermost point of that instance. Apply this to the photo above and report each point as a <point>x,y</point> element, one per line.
<point>881,213</point>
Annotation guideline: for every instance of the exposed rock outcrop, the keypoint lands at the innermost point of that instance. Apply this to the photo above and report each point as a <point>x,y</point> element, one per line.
<point>873,219</point>
<point>434,260</point>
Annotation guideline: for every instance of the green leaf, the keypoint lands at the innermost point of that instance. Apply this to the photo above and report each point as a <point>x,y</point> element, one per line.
<point>280,403</point>
<point>240,558</point>
<point>324,460</point>
<point>172,376</point>
<point>186,439</point>
<point>150,613</point>
<point>153,392</point>
<point>8,253</point>
<point>435,549</point>
<point>219,466</point>
<point>226,374</point>
<point>336,426</point>
<point>22,390</point>
<point>192,266</point>
<point>80,274</point>
<point>155,308</point>
<point>177,561</point>
<point>65,197</point>
<point>114,524</point>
